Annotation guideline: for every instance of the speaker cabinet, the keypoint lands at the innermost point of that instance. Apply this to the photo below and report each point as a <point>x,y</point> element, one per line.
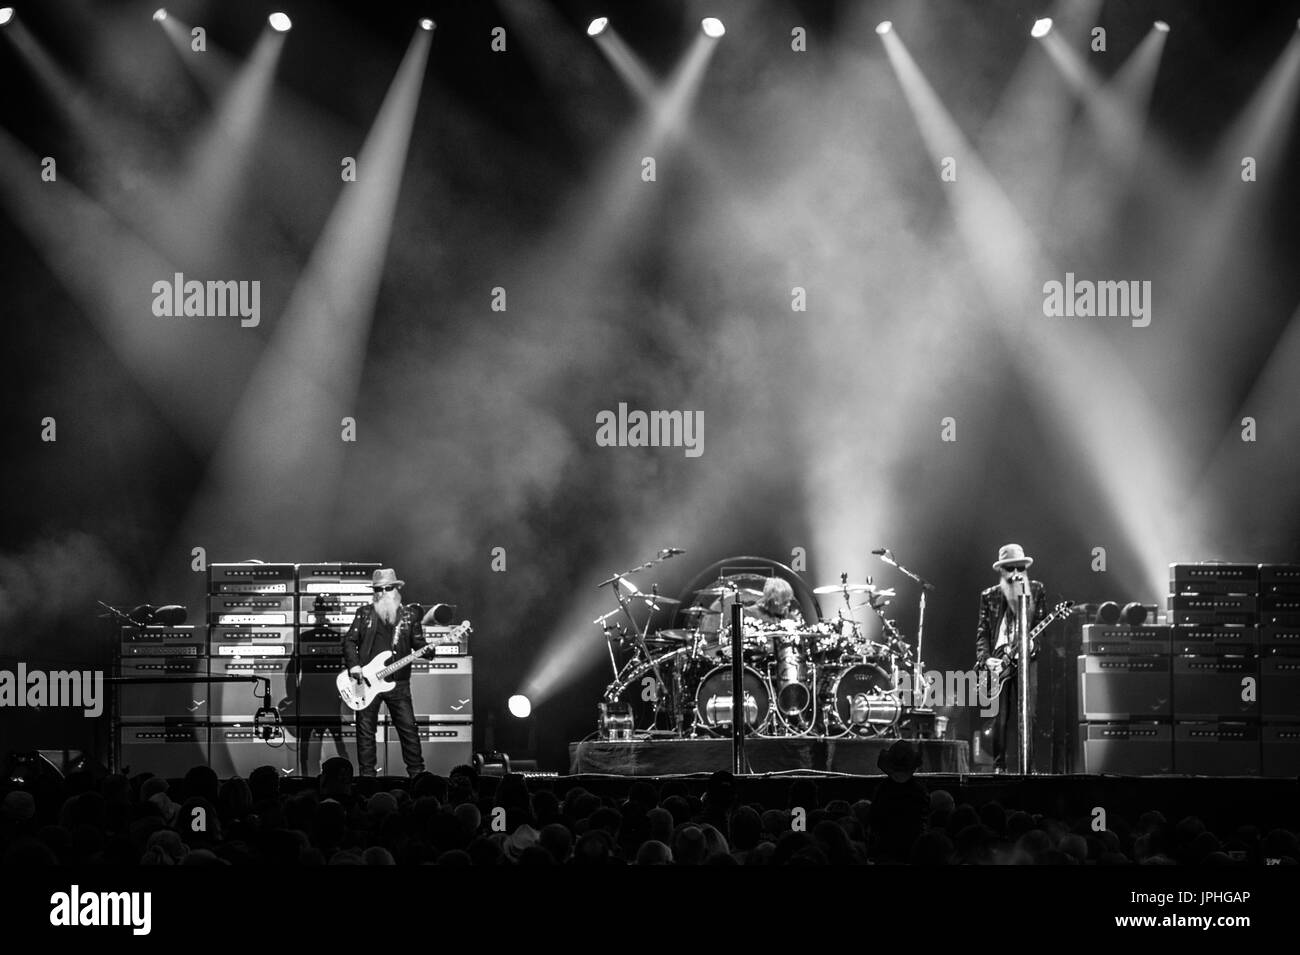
<point>151,703</point>
<point>238,702</point>
<point>166,750</point>
<point>1216,749</point>
<point>1123,688</point>
<point>443,746</point>
<point>1135,749</point>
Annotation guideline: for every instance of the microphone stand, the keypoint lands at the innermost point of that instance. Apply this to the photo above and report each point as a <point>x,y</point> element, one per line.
<point>918,688</point>
<point>1022,677</point>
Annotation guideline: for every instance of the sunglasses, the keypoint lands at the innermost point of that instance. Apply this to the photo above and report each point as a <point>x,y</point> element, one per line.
<point>384,590</point>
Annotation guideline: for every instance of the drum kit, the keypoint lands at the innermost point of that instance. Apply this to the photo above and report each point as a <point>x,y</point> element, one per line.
<point>826,679</point>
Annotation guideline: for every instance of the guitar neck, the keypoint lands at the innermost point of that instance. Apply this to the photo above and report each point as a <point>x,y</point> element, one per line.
<point>416,654</point>
<point>1013,648</point>
<point>394,667</point>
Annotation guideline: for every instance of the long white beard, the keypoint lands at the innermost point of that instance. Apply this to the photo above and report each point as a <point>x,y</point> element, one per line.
<point>387,610</point>
<point>1008,594</point>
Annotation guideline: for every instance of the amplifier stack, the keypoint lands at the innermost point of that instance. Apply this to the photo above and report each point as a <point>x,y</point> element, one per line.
<point>1215,691</point>
<point>273,642</point>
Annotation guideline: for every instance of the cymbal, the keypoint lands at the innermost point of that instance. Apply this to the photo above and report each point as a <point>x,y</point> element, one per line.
<point>676,635</point>
<point>854,589</point>
<point>742,592</point>
<point>695,610</point>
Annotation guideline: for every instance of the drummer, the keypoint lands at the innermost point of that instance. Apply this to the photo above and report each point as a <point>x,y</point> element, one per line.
<point>777,607</point>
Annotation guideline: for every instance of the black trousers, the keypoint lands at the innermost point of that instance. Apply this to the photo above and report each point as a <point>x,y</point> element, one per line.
<point>1006,741</point>
<point>402,712</point>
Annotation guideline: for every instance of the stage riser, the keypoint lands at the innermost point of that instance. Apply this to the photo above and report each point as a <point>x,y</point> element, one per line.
<point>672,757</point>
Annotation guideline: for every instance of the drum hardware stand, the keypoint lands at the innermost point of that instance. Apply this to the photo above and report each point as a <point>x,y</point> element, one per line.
<point>652,601</point>
<point>737,692</point>
<point>918,680</point>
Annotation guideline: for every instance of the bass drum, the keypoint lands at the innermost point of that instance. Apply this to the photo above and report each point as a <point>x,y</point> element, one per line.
<point>862,700</point>
<point>638,688</point>
<point>714,699</point>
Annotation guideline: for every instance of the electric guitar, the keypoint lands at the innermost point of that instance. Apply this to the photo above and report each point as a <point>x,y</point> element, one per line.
<point>374,675</point>
<point>1009,652</point>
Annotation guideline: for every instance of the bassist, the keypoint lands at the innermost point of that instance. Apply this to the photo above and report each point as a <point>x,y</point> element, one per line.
<point>385,626</point>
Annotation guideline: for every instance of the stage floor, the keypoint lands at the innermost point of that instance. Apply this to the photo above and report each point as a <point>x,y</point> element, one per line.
<point>671,757</point>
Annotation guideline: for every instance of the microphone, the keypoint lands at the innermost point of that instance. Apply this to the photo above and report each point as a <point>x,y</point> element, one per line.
<point>671,552</point>
<point>267,718</point>
<point>881,552</point>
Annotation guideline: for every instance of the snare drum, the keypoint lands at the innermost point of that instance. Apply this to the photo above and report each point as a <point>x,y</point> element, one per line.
<point>863,700</point>
<point>756,645</point>
<point>714,699</point>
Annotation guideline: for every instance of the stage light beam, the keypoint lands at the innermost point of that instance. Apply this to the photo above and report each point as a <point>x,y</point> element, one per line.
<point>1161,26</point>
<point>712,27</point>
<point>6,14</point>
<point>427,24</point>
<point>520,706</point>
<point>597,26</point>
<point>159,15</point>
<point>884,26</point>
<point>279,22</point>
<point>1041,28</point>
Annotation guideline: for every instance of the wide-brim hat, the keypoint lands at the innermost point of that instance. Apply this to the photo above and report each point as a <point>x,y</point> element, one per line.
<point>1012,555</point>
<point>386,578</point>
<point>902,756</point>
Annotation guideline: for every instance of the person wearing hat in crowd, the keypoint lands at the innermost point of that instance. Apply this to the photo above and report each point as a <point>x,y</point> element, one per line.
<point>997,628</point>
<point>385,627</point>
<point>901,807</point>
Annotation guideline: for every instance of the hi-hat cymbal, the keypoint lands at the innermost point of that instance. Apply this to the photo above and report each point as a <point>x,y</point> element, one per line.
<point>676,635</point>
<point>854,589</point>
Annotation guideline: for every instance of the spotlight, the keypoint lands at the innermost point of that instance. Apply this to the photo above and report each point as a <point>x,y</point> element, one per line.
<point>426,24</point>
<point>159,15</point>
<point>597,26</point>
<point>1134,614</point>
<point>1161,26</point>
<point>884,26</point>
<point>520,706</point>
<point>1108,613</point>
<point>1041,28</point>
<point>6,14</point>
<point>280,22</point>
<point>712,27</point>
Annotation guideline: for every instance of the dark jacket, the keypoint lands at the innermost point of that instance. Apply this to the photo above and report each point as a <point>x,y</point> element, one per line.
<point>368,637</point>
<point>993,607</point>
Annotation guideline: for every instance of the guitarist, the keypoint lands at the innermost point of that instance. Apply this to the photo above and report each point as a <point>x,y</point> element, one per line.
<point>997,628</point>
<point>385,626</point>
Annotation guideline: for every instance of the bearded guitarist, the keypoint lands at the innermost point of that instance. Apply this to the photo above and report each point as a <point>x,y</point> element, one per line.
<point>382,627</point>
<point>998,631</point>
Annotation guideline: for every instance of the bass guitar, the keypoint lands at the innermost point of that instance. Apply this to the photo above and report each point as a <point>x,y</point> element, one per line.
<point>1010,652</point>
<point>374,675</point>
